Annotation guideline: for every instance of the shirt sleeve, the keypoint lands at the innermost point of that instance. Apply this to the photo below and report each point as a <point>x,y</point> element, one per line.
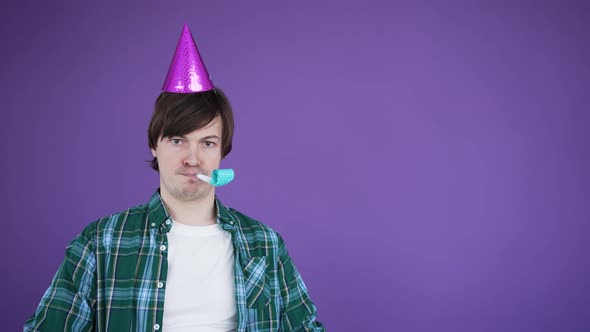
<point>298,313</point>
<point>67,305</point>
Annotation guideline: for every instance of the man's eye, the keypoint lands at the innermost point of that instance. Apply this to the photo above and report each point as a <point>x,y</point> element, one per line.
<point>209,144</point>
<point>175,141</point>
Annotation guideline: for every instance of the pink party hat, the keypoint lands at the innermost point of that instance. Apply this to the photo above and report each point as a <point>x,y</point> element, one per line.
<point>187,73</point>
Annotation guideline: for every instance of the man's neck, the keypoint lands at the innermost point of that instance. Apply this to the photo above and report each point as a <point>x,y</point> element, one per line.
<point>193,213</point>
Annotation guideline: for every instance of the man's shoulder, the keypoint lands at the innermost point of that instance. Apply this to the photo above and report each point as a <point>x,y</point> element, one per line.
<point>132,219</point>
<point>253,229</point>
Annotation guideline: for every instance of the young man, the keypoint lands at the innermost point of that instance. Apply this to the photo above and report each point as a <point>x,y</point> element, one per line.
<point>182,261</point>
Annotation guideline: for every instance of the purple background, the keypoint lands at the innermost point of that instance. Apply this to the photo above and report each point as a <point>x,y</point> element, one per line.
<point>426,164</point>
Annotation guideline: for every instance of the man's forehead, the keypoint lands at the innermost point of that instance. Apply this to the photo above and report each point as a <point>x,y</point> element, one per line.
<point>202,135</point>
<point>211,130</point>
<point>216,122</point>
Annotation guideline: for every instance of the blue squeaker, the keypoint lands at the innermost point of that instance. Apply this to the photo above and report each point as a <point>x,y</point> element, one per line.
<point>219,177</point>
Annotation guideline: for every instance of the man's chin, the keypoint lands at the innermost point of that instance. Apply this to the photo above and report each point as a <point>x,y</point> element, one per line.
<point>189,190</point>
<point>192,191</point>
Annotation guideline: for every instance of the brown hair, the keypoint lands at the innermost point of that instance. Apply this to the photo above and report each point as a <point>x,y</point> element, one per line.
<point>178,114</point>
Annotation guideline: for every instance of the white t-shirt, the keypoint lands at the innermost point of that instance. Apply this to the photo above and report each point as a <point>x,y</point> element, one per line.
<point>200,289</point>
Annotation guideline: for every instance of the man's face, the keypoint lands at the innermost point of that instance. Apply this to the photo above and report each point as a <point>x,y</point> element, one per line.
<point>180,158</point>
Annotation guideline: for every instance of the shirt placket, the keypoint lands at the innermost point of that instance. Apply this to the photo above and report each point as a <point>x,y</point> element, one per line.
<point>160,272</point>
<point>242,317</point>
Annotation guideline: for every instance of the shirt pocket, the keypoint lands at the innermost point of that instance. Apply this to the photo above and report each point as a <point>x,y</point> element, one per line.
<point>256,282</point>
<point>262,307</point>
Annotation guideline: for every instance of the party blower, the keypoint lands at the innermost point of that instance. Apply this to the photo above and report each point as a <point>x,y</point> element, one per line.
<point>219,177</point>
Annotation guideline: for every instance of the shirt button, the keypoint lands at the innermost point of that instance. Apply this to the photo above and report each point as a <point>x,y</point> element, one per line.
<point>162,247</point>
<point>153,224</point>
<point>157,327</point>
<point>231,222</point>
<point>168,222</point>
<point>160,284</point>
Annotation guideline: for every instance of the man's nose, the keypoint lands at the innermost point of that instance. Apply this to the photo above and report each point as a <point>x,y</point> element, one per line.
<point>192,157</point>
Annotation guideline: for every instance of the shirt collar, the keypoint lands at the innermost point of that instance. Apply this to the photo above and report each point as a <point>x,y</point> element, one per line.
<point>157,213</point>
<point>223,214</point>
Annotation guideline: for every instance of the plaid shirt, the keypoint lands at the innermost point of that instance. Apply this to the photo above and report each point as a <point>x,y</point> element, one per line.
<point>113,277</point>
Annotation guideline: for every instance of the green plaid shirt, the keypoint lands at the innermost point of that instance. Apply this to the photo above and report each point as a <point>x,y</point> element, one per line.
<point>109,278</point>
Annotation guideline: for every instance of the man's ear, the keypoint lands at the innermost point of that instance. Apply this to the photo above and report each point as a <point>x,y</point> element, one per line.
<point>153,152</point>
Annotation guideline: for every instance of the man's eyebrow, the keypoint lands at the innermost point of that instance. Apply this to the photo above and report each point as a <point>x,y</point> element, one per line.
<point>210,137</point>
<point>201,139</point>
